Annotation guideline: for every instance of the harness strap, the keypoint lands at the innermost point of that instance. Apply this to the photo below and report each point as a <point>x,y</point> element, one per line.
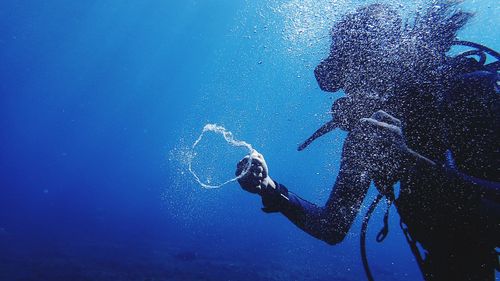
<point>362,237</point>
<point>387,191</point>
<point>413,246</point>
<point>480,47</point>
<point>385,230</point>
<point>497,266</point>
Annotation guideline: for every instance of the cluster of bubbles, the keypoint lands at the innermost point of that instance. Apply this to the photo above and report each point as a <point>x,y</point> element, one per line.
<point>229,138</point>
<point>306,24</point>
<point>191,162</point>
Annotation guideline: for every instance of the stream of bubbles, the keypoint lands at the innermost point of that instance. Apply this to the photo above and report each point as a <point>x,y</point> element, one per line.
<point>229,138</point>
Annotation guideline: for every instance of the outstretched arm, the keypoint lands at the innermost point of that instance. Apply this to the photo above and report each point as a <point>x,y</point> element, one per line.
<point>367,152</point>
<point>329,223</point>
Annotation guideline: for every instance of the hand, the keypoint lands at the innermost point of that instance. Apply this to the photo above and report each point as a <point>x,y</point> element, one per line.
<point>382,147</point>
<point>256,178</point>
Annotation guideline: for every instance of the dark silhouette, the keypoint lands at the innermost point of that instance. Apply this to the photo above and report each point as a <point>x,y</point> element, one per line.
<point>417,116</point>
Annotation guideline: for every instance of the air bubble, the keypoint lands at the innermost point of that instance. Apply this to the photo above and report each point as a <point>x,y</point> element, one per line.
<point>229,138</point>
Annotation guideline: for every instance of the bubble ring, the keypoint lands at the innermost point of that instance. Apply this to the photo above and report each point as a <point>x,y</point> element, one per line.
<point>228,136</point>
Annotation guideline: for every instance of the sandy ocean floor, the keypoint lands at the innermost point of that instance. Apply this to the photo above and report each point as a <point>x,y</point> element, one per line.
<point>121,261</point>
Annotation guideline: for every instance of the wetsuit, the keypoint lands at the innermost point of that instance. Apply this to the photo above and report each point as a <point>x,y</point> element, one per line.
<point>445,207</point>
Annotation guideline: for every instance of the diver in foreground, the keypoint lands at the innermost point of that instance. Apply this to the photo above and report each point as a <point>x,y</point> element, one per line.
<point>416,116</point>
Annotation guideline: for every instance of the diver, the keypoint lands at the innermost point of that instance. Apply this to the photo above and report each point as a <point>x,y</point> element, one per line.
<point>417,116</point>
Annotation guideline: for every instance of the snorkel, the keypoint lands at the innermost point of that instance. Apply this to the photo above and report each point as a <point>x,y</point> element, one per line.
<point>346,112</point>
<point>363,44</point>
<point>326,128</point>
<point>329,80</point>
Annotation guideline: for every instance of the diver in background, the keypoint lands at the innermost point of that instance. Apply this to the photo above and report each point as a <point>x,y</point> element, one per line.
<point>413,115</point>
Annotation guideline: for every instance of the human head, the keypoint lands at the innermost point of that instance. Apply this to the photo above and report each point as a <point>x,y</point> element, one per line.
<point>364,45</point>
<point>373,55</point>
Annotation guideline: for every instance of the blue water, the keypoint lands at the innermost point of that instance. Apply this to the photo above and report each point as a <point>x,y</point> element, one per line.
<point>100,102</point>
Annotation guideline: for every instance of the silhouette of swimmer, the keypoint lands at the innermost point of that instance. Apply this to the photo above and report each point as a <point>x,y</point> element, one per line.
<point>416,116</point>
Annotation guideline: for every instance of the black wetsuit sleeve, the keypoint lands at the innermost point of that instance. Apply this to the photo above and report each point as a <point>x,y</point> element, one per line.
<point>488,190</point>
<point>450,176</point>
<point>331,222</point>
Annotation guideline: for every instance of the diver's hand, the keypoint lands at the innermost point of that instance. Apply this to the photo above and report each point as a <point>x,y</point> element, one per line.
<point>256,179</point>
<point>384,150</point>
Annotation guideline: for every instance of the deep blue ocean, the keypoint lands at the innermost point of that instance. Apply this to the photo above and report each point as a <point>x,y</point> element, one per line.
<point>101,102</point>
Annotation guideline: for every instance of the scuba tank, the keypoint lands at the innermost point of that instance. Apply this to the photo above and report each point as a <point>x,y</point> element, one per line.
<point>346,112</point>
